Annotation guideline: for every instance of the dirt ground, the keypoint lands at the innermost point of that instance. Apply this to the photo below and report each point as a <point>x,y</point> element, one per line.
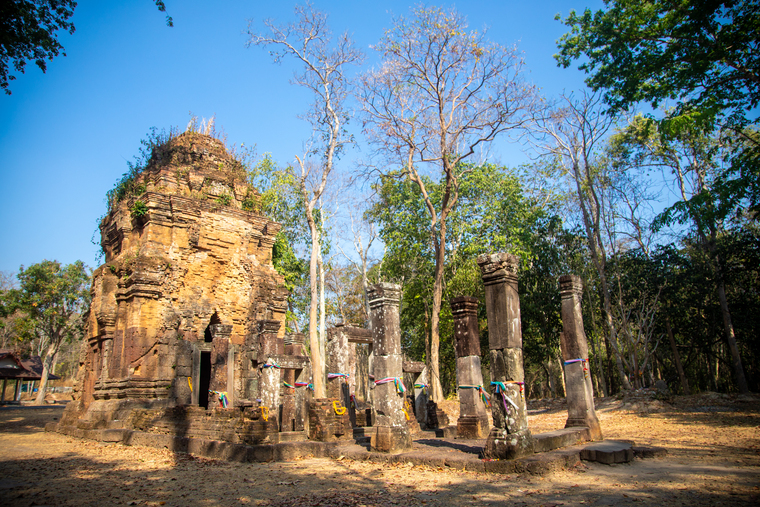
<point>713,442</point>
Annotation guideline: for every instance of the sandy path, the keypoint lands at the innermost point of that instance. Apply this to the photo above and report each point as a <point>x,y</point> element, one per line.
<point>714,459</point>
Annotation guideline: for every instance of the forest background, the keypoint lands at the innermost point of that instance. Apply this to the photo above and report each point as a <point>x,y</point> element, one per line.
<point>649,193</point>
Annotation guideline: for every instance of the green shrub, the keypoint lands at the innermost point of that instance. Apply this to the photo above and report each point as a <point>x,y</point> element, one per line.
<point>138,209</point>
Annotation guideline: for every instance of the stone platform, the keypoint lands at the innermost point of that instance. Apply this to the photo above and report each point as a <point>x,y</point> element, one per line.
<point>560,450</point>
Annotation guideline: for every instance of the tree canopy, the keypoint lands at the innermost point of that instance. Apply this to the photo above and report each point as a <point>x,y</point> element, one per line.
<point>52,299</point>
<point>28,33</point>
<point>704,54</point>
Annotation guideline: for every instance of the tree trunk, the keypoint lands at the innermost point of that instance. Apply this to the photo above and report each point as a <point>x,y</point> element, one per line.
<point>561,363</point>
<point>322,310</point>
<point>598,354</point>
<point>677,358</point>
<point>47,364</point>
<point>436,391</point>
<point>318,369</point>
<point>736,359</point>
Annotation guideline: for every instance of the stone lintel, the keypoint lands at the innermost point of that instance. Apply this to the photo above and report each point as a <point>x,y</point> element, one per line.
<point>413,366</point>
<point>287,362</point>
<point>357,334</point>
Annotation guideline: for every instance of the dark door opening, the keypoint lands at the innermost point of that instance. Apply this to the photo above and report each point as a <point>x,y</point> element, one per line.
<point>205,380</point>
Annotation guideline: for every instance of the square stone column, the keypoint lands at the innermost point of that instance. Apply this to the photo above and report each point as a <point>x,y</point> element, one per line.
<point>580,392</point>
<point>473,419</point>
<point>338,365</point>
<point>294,345</point>
<point>391,433</point>
<point>510,437</point>
<point>270,372</point>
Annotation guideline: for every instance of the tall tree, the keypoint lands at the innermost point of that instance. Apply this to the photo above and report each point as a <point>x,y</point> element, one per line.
<point>440,95</point>
<point>493,214</point>
<point>324,64</point>
<point>53,299</point>
<point>694,157</point>
<point>572,134</point>
<point>704,55</point>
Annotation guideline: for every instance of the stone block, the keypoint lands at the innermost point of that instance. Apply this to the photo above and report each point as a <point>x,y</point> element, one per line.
<point>436,418</point>
<point>472,427</point>
<point>608,452</point>
<point>390,439</point>
<point>641,451</point>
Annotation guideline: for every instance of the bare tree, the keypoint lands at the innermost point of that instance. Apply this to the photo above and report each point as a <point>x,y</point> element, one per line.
<point>323,72</point>
<point>361,231</point>
<point>440,96</point>
<point>571,133</point>
<point>695,157</point>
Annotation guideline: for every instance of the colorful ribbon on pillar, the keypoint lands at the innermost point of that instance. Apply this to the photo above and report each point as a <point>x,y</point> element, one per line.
<point>584,363</point>
<point>483,394</point>
<point>288,385</point>
<point>331,376</point>
<point>421,386</point>
<point>400,388</point>
<point>502,389</point>
<point>305,384</point>
<point>521,384</point>
<point>273,365</point>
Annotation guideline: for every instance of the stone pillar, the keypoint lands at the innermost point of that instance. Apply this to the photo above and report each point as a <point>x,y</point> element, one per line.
<point>338,367</point>
<point>510,436</point>
<point>580,392</point>
<point>473,419</point>
<point>271,374</point>
<point>288,396</point>
<point>219,382</point>
<point>391,433</point>
<point>302,380</point>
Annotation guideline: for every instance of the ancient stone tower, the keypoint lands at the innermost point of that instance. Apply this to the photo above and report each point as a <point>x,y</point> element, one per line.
<point>186,288</point>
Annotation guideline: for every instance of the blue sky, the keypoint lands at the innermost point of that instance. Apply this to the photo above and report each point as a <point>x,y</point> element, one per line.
<point>67,134</point>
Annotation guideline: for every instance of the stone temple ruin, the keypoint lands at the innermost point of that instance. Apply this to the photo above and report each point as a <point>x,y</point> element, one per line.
<point>186,346</point>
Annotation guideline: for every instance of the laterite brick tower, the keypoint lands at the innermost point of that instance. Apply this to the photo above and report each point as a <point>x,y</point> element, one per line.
<point>187,286</point>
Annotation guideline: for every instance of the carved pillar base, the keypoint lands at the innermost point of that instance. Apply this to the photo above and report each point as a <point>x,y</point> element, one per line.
<point>324,424</point>
<point>503,445</point>
<point>390,439</point>
<point>472,427</point>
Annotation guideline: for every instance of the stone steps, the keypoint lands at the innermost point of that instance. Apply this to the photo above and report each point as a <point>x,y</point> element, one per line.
<point>293,436</point>
<point>362,435</point>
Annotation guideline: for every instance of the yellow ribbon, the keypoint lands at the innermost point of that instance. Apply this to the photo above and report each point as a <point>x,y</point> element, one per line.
<point>190,383</point>
<point>265,413</point>
<point>405,413</point>
<point>338,411</point>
